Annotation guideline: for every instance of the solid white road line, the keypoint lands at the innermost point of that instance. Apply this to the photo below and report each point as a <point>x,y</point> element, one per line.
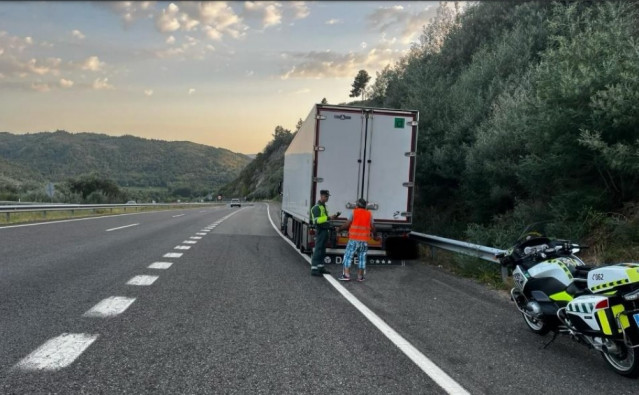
<point>172,255</point>
<point>110,307</point>
<point>58,352</point>
<point>122,227</point>
<point>425,364</point>
<point>142,280</point>
<point>160,265</point>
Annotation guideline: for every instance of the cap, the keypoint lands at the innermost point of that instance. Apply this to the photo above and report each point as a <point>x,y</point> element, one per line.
<point>361,202</point>
<point>325,192</point>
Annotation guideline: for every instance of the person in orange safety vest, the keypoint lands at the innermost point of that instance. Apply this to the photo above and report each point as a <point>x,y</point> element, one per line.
<point>360,229</point>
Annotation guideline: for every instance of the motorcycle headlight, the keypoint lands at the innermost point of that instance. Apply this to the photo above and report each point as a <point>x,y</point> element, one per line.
<point>634,295</point>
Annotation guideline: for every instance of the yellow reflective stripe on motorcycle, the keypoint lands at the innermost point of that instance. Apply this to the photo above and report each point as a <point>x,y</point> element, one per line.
<point>623,319</point>
<point>633,275</point>
<point>563,296</point>
<point>603,321</point>
<point>610,284</point>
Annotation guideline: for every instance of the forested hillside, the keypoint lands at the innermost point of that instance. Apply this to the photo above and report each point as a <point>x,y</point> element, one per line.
<point>528,112</point>
<point>261,178</point>
<point>147,169</point>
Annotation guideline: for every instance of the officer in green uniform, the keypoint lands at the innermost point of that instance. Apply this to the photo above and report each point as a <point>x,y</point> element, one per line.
<point>321,220</point>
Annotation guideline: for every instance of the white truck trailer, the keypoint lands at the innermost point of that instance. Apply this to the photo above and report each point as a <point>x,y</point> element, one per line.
<point>354,152</point>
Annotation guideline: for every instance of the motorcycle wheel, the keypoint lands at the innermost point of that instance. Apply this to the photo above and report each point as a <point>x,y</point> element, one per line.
<point>624,362</point>
<point>536,325</point>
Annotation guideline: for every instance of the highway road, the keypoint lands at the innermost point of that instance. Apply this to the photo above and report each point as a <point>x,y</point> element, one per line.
<point>215,301</point>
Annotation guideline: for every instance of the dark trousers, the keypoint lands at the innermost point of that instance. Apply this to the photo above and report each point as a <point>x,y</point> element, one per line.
<point>319,252</point>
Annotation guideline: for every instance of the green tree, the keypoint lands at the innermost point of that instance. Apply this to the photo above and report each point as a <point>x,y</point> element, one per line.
<point>359,84</point>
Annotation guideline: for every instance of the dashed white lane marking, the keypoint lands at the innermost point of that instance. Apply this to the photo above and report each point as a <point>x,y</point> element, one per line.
<point>160,265</point>
<point>110,307</point>
<point>179,215</point>
<point>425,364</point>
<point>201,234</point>
<point>181,247</point>
<point>189,242</point>
<point>172,255</point>
<point>122,227</point>
<point>195,237</point>
<point>142,280</point>
<point>205,230</point>
<point>58,352</point>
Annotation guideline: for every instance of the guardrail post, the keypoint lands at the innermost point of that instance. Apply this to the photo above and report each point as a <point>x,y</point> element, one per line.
<point>504,274</point>
<point>44,214</point>
<point>8,216</point>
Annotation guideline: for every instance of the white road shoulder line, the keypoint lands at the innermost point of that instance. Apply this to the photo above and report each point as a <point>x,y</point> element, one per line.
<point>122,227</point>
<point>110,307</point>
<point>425,364</point>
<point>142,280</point>
<point>57,353</point>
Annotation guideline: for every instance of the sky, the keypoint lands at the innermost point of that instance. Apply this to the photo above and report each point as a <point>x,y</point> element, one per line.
<point>223,74</point>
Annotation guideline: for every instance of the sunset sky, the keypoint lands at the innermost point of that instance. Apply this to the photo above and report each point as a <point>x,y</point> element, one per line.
<point>224,74</point>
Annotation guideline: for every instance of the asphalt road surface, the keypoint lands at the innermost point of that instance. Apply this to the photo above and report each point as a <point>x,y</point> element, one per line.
<point>215,301</point>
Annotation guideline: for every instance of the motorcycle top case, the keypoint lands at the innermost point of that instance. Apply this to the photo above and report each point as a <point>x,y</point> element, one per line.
<point>605,278</point>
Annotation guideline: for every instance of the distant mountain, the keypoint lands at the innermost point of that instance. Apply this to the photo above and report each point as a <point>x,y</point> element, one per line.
<point>129,161</point>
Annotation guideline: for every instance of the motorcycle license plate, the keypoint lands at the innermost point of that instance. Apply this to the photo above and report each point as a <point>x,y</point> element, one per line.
<point>636,317</point>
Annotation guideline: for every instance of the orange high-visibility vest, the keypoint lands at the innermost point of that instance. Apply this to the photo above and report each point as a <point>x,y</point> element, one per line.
<point>360,228</point>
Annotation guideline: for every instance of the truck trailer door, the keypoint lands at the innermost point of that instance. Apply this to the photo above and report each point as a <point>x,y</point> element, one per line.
<point>390,164</point>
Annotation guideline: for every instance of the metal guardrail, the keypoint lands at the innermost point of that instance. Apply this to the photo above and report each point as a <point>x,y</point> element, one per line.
<point>8,210</point>
<point>461,247</point>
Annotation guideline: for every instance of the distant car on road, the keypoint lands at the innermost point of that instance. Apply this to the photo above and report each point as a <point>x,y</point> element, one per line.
<point>236,202</point>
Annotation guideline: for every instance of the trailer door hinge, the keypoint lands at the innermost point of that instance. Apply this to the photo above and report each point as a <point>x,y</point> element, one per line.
<point>413,123</point>
<point>320,117</point>
<point>319,148</point>
<point>410,154</point>
<point>318,179</point>
<point>408,184</point>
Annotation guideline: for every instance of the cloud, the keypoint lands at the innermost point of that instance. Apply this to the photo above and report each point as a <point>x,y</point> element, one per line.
<point>191,91</point>
<point>102,84</point>
<point>40,87</point>
<point>129,11</point>
<point>397,20</point>
<point>329,64</point>
<point>49,66</point>
<point>78,34</point>
<point>269,12</point>
<point>168,21</point>
<point>64,83</point>
<point>14,44</point>
<point>148,92</point>
<point>92,63</point>
<point>300,10</point>
<point>170,40</point>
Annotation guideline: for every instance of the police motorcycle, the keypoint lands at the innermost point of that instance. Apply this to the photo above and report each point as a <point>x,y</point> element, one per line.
<point>596,306</point>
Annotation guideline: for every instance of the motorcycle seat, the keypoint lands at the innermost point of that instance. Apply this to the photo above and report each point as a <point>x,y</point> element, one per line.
<point>581,272</point>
